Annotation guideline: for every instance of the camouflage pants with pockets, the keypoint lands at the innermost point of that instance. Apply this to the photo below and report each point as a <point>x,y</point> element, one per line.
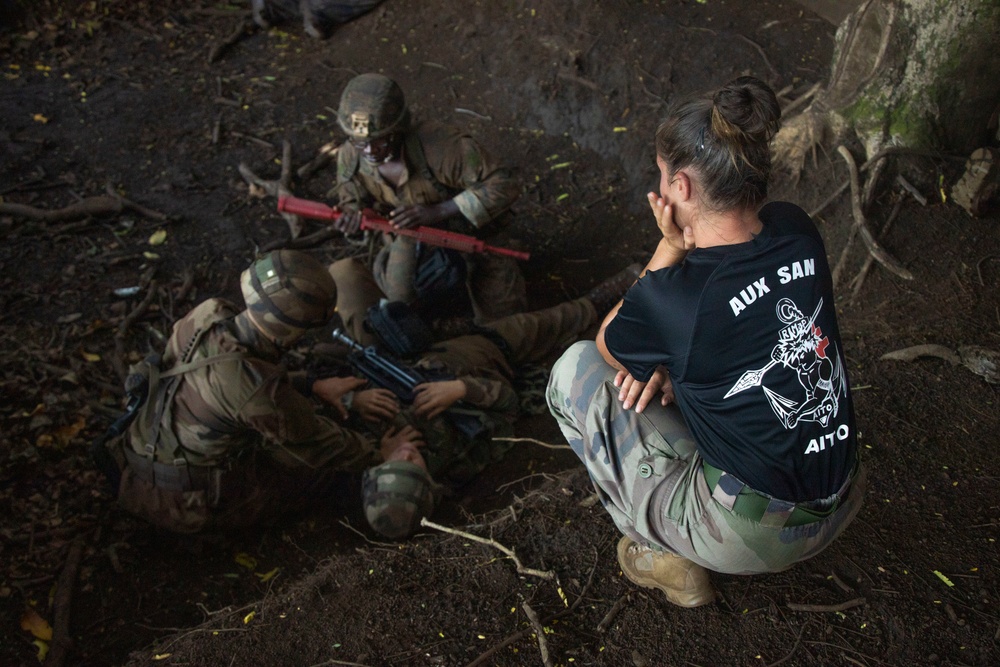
<point>648,475</point>
<point>495,284</point>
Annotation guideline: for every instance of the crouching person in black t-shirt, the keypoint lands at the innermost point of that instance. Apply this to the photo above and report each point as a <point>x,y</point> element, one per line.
<point>714,413</point>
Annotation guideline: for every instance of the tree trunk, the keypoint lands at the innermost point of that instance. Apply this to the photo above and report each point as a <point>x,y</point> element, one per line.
<point>914,73</point>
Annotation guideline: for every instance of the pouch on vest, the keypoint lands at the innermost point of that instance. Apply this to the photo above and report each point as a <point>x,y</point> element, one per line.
<point>440,282</point>
<point>399,328</point>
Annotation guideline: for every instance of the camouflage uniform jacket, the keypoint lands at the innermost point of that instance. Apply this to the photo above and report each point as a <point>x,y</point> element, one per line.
<point>441,164</point>
<point>224,409</point>
<point>490,399</point>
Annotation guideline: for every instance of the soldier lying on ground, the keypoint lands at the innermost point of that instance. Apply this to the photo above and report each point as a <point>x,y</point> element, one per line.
<point>424,174</point>
<point>482,367</point>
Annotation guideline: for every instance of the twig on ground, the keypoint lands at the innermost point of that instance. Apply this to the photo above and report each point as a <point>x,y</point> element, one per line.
<point>880,255</point>
<point>929,350</point>
<point>850,604</point>
<point>326,154</point>
<point>276,188</point>
<point>979,269</point>
<point>609,617</point>
<point>61,640</point>
<point>799,101</point>
<point>543,646</point>
<point>531,440</point>
<point>521,569</point>
<point>755,45</point>
<point>906,185</point>
<point>90,206</point>
<point>236,35</point>
<point>795,647</point>
<point>139,310</point>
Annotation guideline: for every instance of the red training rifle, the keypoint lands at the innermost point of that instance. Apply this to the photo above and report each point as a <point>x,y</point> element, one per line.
<point>315,210</point>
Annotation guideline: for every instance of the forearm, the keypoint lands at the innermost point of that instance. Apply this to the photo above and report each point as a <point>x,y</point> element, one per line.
<point>602,345</point>
<point>665,256</point>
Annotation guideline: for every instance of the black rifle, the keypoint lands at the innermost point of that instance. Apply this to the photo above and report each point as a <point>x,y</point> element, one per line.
<point>388,373</point>
<point>136,389</point>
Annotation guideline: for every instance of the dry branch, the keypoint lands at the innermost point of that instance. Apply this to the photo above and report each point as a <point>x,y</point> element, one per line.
<point>543,646</point>
<point>521,569</point>
<point>90,206</point>
<point>850,604</point>
<point>61,640</point>
<point>277,188</point>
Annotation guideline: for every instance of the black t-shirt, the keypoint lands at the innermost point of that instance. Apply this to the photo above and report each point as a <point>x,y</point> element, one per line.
<point>749,335</point>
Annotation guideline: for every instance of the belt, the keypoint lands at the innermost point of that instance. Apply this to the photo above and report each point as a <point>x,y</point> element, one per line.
<point>740,499</point>
<point>171,477</point>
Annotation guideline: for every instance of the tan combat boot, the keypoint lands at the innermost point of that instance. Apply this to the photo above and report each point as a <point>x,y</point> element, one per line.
<point>685,584</point>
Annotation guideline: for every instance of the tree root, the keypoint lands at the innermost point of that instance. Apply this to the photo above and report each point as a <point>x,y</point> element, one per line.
<point>880,255</point>
<point>61,640</point>
<point>100,205</point>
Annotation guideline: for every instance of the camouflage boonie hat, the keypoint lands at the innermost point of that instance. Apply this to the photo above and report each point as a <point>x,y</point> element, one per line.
<point>286,293</point>
<point>372,106</point>
<point>396,496</point>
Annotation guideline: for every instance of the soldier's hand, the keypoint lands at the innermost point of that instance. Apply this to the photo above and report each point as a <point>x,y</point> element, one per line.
<point>632,392</point>
<point>332,391</point>
<point>415,215</point>
<point>433,398</point>
<point>394,439</point>
<point>349,221</point>
<point>376,404</point>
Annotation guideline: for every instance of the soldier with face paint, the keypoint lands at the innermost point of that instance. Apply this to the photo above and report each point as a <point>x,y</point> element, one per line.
<point>226,438</point>
<point>423,174</point>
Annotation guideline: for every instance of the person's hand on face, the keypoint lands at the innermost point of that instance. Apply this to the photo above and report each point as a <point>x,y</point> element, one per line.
<point>394,439</point>
<point>681,240</point>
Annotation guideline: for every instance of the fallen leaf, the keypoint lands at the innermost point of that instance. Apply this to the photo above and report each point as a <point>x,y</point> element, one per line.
<point>249,617</point>
<point>90,356</point>
<point>39,118</point>
<point>43,649</point>
<point>246,560</point>
<point>267,576</point>
<point>945,579</point>
<point>36,625</point>
<point>162,656</point>
<point>158,237</point>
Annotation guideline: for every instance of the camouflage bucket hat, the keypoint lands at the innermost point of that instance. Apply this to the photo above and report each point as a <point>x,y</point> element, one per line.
<point>287,292</point>
<point>396,496</point>
<point>372,106</point>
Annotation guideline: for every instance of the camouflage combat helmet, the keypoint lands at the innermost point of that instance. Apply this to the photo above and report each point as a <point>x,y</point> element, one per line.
<point>372,106</point>
<point>396,494</point>
<point>286,293</point>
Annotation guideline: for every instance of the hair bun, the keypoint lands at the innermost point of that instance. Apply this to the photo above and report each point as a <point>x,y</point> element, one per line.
<point>750,105</point>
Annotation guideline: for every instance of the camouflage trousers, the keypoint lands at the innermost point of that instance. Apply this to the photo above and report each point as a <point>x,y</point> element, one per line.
<point>530,337</point>
<point>495,284</point>
<point>649,477</point>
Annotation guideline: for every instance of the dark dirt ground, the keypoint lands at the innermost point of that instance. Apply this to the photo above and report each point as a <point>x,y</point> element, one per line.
<point>120,94</point>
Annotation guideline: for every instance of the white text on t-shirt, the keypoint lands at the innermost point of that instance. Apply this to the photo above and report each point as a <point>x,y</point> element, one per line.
<point>758,288</point>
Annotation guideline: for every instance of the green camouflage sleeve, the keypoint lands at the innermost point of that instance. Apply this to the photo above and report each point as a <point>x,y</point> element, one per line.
<point>458,162</point>
<point>296,436</point>
<point>494,395</point>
